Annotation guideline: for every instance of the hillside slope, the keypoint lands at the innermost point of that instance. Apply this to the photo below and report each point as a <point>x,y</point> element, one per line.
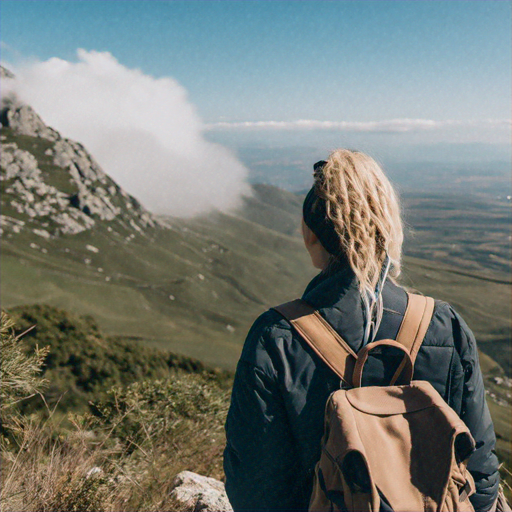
<point>174,283</point>
<point>72,238</point>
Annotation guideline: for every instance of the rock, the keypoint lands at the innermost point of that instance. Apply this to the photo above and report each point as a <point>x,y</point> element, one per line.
<point>5,73</point>
<point>200,493</point>
<point>503,381</point>
<point>94,472</point>
<point>14,225</point>
<point>41,232</point>
<point>22,119</point>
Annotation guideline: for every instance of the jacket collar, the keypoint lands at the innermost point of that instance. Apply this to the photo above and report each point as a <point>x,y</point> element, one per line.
<point>336,297</point>
<point>327,288</point>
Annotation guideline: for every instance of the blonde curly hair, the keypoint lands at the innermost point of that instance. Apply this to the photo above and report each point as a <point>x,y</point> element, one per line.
<point>365,211</point>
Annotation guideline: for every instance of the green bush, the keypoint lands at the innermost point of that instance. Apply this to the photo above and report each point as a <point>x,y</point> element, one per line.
<point>19,369</point>
<point>151,412</point>
<point>82,363</point>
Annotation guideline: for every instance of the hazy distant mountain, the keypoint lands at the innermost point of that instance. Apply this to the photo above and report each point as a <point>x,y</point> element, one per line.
<point>470,168</point>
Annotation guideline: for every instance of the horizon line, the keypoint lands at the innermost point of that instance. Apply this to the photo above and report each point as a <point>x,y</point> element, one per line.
<point>399,125</point>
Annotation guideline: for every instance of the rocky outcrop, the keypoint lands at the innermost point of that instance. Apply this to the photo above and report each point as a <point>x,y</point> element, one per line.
<point>87,176</point>
<point>28,194</point>
<point>198,493</point>
<point>71,195</point>
<point>19,117</point>
<point>23,120</point>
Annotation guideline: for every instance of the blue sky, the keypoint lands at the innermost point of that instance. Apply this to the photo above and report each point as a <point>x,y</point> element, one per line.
<point>246,61</point>
<point>258,60</point>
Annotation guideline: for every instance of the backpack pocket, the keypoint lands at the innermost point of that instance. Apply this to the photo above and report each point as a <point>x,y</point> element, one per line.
<point>335,491</point>
<point>327,495</point>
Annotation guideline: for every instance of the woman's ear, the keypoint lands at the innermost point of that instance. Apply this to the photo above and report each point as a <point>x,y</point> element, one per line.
<point>310,239</point>
<point>319,256</point>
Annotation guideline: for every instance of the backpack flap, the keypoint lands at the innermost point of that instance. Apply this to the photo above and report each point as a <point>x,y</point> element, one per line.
<point>413,442</point>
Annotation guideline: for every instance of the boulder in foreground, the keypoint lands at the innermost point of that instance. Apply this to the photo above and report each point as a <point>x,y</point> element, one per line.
<point>196,493</point>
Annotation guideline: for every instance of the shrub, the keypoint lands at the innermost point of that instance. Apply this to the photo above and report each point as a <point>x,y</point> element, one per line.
<point>187,411</point>
<point>141,435</point>
<point>19,371</point>
<point>82,363</point>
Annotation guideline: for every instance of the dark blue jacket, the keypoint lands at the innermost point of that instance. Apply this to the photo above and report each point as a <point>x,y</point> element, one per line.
<point>275,421</point>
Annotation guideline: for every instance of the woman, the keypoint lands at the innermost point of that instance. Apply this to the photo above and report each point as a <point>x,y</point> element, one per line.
<point>353,232</point>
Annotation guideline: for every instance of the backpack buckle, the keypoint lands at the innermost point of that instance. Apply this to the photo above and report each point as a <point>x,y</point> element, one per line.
<point>345,385</point>
<point>465,491</point>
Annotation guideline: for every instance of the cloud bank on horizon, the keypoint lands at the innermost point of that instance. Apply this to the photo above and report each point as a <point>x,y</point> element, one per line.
<point>386,126</point>
<point>143,131</point>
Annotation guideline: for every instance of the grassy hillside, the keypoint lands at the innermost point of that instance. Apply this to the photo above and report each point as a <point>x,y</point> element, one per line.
<point>195,287</point>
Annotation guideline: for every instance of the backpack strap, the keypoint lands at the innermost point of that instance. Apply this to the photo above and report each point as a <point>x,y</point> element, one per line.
<point>321,337</point>
<point>334,350</point>
<point>414,327</point>
<point>415,323</point>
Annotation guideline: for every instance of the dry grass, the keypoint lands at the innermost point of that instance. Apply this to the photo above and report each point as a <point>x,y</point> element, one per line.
<point>47,467</point>
<point>46,473</point>
<point>124,457</point>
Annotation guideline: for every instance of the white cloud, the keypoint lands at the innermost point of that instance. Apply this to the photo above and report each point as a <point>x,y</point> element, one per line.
<point>144,131</point>
<point>387,126</point>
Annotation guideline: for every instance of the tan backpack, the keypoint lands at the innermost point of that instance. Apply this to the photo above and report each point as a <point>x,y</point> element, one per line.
<point>390,448</point>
